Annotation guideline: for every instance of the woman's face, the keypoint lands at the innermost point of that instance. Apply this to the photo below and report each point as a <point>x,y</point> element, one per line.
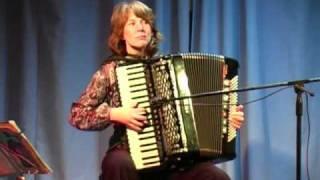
<point>137,34</point>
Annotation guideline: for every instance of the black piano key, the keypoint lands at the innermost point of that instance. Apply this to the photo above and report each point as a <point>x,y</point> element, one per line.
<point>150,157</point>
<point>135,85</point>
<point>139,97</point>
<point>141,102</point>
<point>147,150</point>
<point>149,144</point>
<point>138,90</point>
<point>147,137</point>
<point>146,132</point>
<point>151,162</point>
<point>136,78</point>
<point>133,67</point>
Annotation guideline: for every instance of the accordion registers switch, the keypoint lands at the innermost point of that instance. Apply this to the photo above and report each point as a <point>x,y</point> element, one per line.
<point>180,130</point>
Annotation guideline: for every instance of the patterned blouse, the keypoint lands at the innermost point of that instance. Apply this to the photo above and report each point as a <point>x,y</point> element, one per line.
<point>92,110</point>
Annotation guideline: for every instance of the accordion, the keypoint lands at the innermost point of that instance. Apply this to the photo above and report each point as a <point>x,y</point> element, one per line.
<point>180,129</point>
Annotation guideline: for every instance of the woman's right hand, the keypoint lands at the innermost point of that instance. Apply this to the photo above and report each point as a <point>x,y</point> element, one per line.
<point>132,117</point>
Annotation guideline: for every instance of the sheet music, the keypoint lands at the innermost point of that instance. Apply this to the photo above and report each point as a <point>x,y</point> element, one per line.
<point>17,155</point>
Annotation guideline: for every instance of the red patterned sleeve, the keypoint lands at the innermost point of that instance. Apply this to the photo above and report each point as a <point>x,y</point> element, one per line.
<point>91,112</point>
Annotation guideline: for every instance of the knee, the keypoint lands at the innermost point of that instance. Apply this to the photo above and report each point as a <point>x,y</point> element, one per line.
<point>117,164</point>
<point>216,173</point>
<point>209,171</point>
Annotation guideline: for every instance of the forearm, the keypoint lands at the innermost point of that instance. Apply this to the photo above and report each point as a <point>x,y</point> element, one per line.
<point>90,118</point>
<point>91,111</point>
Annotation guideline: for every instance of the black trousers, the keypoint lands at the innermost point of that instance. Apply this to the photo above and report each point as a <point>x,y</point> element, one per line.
<point>118,165</point>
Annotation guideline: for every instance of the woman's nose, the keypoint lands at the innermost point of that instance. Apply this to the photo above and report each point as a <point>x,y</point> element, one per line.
<point>139,26</point>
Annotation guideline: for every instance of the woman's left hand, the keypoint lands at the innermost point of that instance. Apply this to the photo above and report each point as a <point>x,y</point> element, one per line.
<point>236,118</point>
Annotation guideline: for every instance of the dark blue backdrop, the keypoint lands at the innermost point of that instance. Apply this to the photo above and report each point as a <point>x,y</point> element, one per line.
<point>50,48</point>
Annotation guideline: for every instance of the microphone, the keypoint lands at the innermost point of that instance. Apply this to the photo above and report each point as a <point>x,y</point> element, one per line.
<point>300,87</point>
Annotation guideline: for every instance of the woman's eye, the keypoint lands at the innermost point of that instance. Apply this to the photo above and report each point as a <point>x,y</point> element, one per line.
<point>130,23</point>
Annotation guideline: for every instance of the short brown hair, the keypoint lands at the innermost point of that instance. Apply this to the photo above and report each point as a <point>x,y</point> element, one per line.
<point>118,20</point>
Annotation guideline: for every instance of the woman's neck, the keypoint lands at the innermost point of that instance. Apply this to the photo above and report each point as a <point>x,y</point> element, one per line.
<point>136,52</point>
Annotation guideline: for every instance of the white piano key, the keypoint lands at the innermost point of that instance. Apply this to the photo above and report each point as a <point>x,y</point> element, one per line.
<point>145,104</point>
<point>136,75</point>
<point>151,160</point>
<point>137,81</point>
<point>134,70</point>
<point>148,141</point>
<point>151,134</point>
<point>139,93</point>
<point>144,148</point>
<point>150,128</point>
<point>142,99</point>
<point>148,165</point>
<point>137,88</point>
<point>150,153</point>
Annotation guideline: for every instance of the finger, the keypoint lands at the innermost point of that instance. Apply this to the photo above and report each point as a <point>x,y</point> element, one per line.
<point>135,128</point>
<point>239,114</point>
<point>137,123</point>
<point>236,118</point>
<point>239,108</point>
<point>143,119</point>
<point>140,118</point>
<point>141,111</point>
<point>237,123</point>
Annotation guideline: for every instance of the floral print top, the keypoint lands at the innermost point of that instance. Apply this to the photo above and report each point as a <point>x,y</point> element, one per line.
<point>92,110</point>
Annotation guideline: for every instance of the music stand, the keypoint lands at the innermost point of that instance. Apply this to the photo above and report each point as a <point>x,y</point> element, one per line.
<point>17,155</point>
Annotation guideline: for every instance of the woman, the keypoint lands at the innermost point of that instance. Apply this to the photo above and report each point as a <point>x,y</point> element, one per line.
<point>133,34</point>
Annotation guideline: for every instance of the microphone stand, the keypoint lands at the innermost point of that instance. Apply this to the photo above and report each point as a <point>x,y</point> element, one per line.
<point>299,89</point>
